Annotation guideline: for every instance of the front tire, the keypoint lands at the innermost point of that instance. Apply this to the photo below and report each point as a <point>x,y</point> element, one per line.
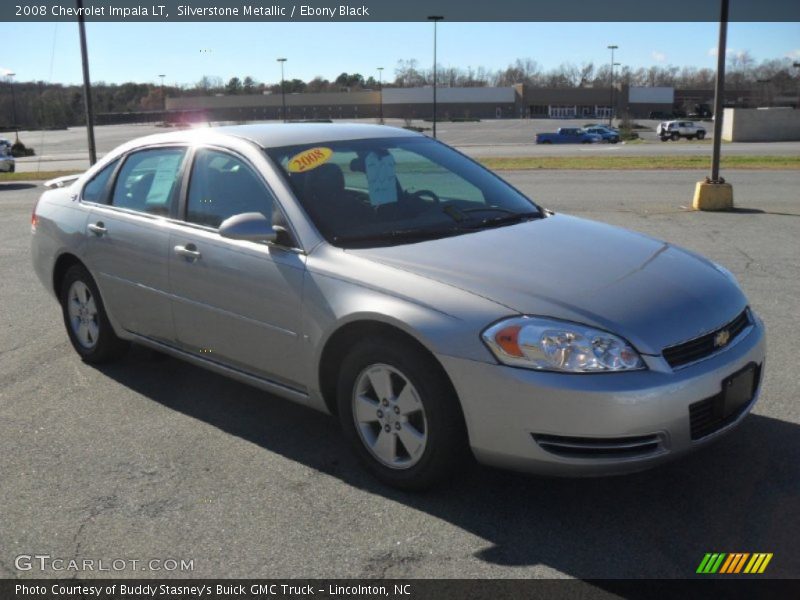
<point>701,135</point>
<point>85,318</point>
<point>401,415</point>
<point>675,137</point>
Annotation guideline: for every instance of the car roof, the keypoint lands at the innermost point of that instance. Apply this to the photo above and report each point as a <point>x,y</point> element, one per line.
<point>275,135</point>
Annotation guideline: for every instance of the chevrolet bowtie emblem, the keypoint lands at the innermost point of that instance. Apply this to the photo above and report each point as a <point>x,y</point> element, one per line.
<point>722,338</point>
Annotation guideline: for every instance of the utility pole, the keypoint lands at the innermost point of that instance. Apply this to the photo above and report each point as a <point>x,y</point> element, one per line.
<point>435,19</point>
<point>283,90</point>
<point>87,87</point>
<point>611,101</point>
<point>380,90</point>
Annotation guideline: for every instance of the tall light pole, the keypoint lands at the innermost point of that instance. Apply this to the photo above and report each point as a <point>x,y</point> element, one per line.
<point>796,65</point>
<point>13,106</point>
<point>87,87</point>
<point>435,19</point>
<point>714,193</point>
<point>380,90</point>
<point>283,90</point>
<point>163,97</point>
<point>611,107</point>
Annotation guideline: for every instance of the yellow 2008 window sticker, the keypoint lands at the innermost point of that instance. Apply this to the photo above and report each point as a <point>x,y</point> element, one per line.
<point>309,159</point>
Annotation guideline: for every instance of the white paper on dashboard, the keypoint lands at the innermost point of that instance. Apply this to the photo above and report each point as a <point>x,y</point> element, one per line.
<point>381,178</point>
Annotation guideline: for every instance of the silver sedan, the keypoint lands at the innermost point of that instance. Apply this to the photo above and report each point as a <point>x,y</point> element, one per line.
<point>383,277</point>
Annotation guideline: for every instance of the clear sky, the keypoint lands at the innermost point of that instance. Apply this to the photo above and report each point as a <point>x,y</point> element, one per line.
<point>184,52</point>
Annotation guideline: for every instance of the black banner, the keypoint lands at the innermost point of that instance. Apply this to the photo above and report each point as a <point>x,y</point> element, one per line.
<point>405,10</point>
<point>415,589</point>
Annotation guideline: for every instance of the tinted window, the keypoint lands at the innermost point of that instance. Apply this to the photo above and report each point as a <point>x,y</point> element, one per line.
<point>95,190</point>
<point>221,186</point>
<point>148,180</point>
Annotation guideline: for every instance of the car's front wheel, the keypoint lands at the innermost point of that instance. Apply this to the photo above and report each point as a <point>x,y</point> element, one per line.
<point>401,415</point>
<point>701,135</point>
<point>85,318</point>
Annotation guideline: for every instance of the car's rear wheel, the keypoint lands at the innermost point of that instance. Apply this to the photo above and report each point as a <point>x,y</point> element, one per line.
<point>401,415</point>
<point>85,318</point>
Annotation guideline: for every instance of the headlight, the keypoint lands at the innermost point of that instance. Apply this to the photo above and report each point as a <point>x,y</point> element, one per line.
<point>551,345</point>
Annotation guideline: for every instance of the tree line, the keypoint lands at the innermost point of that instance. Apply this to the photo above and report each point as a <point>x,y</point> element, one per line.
<point>51,105</point>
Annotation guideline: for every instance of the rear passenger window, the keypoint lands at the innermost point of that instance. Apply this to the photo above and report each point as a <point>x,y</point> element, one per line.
<point>148,180</point>
<point>95,190</point>
<point>221,186</point>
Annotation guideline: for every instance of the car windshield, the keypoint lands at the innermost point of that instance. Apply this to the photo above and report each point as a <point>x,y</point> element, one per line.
<point>388,191</point>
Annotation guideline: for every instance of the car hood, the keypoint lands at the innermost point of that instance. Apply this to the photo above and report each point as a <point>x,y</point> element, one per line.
<point>648,291</point>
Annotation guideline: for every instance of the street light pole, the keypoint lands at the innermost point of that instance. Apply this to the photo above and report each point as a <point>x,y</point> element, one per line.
<point>435,19</point>
<point>380,90</point>
<point>611,107</point>
<point>87,87</point>
<point>283,90</point>
<point>13,106</point>
<point>163,98</point>
<point>719,91</point>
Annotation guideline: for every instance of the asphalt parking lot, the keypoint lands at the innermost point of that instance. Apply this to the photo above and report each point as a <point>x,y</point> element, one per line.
<point>66,149</point>
<point>154,458</point>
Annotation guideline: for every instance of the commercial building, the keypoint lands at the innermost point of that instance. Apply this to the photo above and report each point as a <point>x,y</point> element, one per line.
<point>517,101</point>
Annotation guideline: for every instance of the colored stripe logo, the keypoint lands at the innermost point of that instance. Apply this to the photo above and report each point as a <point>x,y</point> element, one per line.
<point>734,563</point>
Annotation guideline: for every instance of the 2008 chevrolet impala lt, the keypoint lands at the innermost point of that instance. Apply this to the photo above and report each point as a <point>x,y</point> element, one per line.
<point>383,277</point>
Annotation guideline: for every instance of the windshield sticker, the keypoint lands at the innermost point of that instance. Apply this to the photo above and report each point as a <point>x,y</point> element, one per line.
<point>309,159</point>
<point>381,179</point>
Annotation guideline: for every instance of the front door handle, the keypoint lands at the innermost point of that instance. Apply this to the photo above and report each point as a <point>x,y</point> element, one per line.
<point>98,228</point>
<point>189,251</point>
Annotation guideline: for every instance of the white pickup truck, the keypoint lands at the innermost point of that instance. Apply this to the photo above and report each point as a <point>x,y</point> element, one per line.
<point>675,130</point>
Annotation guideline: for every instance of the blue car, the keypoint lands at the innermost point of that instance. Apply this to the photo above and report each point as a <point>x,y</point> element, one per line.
<point>608,135</point>
<point>568,135</point>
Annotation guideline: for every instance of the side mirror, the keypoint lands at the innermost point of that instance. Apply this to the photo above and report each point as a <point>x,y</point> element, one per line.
<point>251,227</point>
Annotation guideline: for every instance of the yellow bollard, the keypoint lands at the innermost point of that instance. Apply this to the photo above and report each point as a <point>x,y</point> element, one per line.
<point>713,196</point>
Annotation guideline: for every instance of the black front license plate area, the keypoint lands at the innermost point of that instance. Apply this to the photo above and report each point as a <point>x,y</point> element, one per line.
<point>738,390</point>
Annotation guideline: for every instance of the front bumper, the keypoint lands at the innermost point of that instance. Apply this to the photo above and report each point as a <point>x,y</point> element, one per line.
<point>624,421</point>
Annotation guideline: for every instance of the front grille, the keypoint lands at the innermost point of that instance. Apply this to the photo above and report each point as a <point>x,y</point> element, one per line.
<point>583,447</point>
<point>704,346</point>
<point>706,416</point>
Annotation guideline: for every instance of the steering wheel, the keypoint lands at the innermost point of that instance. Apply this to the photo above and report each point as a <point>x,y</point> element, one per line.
<point>421,194</point>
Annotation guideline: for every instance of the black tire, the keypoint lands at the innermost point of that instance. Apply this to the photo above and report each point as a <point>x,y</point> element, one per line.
<point>701,135</point>
<point>664,138</point>
<point>675,136</point>
<point>446,450</point>
<point>107,346</point>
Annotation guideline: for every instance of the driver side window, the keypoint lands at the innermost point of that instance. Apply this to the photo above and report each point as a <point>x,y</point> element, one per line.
<point>222,185</point>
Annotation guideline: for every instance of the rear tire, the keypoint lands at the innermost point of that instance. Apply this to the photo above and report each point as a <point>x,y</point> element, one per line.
<point>401,415</point>
<point>85,318</point>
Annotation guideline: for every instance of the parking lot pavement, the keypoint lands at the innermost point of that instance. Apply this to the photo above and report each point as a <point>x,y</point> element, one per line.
<point>66,149</point>
<point>154,458</point>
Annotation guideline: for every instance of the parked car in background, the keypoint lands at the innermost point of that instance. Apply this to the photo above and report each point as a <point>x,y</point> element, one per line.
<point>7,163</point>
<point>569,135</point>
<point>610,136</point>
<point>675,130</point>
<point>380,276</point>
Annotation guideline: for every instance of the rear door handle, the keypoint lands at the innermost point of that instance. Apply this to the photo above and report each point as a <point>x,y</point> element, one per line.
<point>98,228</point>
<point>189,251</point>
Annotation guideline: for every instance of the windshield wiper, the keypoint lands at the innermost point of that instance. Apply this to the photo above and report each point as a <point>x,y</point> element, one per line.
<point>504,220</point>
<point>398,235</point>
